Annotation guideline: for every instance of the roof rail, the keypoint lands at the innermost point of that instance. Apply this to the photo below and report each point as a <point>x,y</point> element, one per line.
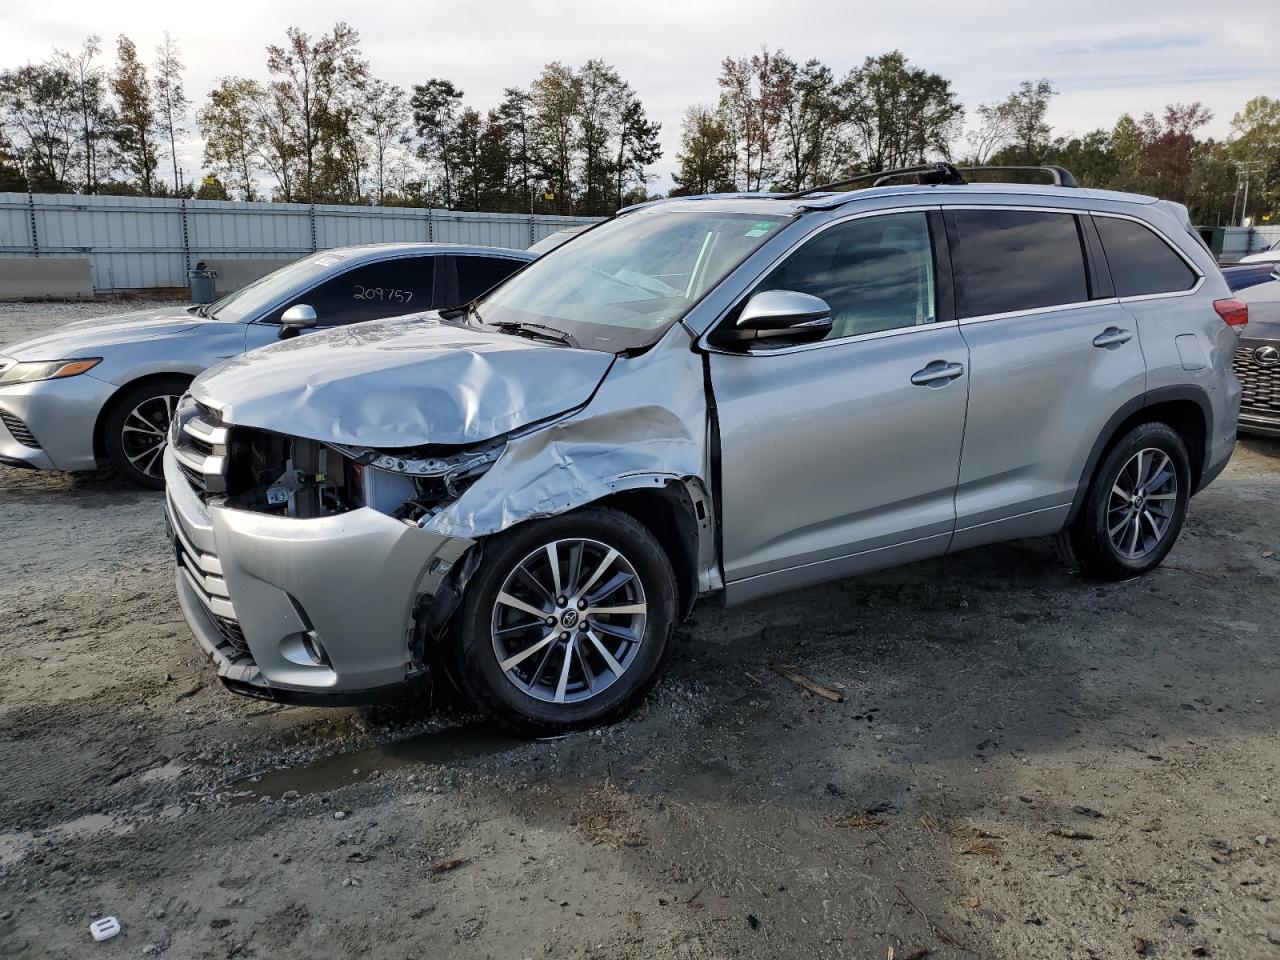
<point>924,173</point>
<point>931,173</point>
<point>1062,177</point>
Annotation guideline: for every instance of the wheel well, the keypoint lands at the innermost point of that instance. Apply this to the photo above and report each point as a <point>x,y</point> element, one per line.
<point>1187,420</point>
<point>668,514</point>
<point>99,444</point>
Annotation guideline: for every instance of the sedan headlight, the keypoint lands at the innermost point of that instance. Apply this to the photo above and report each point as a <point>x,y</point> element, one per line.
<point>46,370</point>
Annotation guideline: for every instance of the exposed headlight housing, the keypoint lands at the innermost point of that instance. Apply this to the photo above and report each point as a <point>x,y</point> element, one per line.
<point>34,370</point>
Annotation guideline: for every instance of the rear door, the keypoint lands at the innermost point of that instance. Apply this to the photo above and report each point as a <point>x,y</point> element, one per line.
<point>1053,356</point>
<point>476,274</point>
<point>841,456</point>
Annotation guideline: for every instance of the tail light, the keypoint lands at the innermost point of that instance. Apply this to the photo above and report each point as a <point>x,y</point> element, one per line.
<point>1234,313</point>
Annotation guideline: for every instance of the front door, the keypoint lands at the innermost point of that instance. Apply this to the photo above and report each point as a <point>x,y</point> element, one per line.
<point>373,291</point>
<point>842,456</point>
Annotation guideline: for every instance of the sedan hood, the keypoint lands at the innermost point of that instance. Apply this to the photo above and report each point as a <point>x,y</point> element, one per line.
<point>85,338</point>
<point>404,382</point>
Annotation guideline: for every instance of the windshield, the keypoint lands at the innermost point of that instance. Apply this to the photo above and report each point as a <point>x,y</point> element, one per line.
<point>623,283</point>
<point>249,301</point>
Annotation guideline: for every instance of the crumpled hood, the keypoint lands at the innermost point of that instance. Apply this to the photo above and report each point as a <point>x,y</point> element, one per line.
<point>85,338</point>
<point>403,382</point>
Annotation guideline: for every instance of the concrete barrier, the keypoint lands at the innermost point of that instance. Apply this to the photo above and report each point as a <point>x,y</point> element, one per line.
<point>45,278</point>
<point>234,274</point>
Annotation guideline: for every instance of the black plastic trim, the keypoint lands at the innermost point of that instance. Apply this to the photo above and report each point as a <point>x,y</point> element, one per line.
<point>1136,405</point>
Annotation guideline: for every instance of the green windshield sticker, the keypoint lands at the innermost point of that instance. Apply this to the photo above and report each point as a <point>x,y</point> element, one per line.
<point>760,229</point>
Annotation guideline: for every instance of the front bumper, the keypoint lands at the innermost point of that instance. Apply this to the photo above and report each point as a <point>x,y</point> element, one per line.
<point>305,611</point>
<point>54,421</point>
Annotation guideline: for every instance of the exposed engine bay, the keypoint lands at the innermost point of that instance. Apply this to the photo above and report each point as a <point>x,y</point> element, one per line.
<point>292,476</point>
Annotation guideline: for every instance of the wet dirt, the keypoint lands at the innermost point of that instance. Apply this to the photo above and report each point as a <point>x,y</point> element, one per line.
<point>988,699</point>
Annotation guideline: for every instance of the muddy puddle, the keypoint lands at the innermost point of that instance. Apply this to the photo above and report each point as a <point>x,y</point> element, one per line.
<point>452,746</point>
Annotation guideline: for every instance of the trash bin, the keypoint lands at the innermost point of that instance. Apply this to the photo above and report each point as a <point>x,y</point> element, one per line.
<point>202,282</point>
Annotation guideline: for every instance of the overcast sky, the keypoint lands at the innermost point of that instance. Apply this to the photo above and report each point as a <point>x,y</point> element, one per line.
<point>1105,58</point>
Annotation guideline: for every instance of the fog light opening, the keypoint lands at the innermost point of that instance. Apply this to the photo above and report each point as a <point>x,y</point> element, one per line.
<point>311,644</point>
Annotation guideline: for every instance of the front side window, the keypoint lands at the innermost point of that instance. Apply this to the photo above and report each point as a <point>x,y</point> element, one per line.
<point>622,284</point>
<point>1141,263</point>
<point>1011,260</point>
<point>370,292</point>
<point>876,273</point>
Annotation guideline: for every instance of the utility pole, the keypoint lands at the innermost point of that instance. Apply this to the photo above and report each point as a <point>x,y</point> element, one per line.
<point>1245,170</point>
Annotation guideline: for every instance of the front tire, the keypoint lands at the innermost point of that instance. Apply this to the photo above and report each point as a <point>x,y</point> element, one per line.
<point>135,430</point>
<point>567,621</point>
<point>1136,505</point>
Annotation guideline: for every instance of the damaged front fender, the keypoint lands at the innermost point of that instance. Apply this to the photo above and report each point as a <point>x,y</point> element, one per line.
<point>621,440</point>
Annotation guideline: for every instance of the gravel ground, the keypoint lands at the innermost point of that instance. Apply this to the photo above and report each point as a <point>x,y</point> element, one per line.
<point>1024,764</point>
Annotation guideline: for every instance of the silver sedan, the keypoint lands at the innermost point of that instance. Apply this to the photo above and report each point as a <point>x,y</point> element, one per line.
<point>104,390</point>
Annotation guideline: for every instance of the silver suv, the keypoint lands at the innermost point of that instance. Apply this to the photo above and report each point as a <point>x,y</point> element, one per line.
<point>729,395</point>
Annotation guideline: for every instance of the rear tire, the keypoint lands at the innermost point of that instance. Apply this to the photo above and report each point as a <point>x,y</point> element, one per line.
<point>1135,506</point>
<point>544,651</point>
<point>135,430</point>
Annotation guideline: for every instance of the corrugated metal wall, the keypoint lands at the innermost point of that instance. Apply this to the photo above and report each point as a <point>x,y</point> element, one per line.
<point>135,242</point>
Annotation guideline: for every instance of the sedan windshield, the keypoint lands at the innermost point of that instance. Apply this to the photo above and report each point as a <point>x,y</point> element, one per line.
<point>249,302</point>
<point>623,283</point>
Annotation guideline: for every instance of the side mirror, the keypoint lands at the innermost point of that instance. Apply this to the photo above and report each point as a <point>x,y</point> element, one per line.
<point>779,315</point>
<point>299,317</point>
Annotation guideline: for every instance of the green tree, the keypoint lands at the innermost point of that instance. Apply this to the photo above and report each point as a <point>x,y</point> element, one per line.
<point>171,99</point>
<point>1255,133</point>
<point>599,116</point>
<point>555,95</point>
<point>516,112</point>
<point>233,142</point>
<point>319,80</point>
<point>137,153</point>
<point>38,111</point>
<point>211,188</point>
<point>900,115</point>
<point>638,146</point>
<point>436,105</point>
<point>706,158</point>
<point>813,145</point>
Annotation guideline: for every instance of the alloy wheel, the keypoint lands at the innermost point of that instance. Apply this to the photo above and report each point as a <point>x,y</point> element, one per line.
<point>145,433</point>
<point>1143,500</point>
<point>569,620</point>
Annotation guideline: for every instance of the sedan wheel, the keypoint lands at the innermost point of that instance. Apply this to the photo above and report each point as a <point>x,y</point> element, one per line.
<point>135,429</point>
<point>145,434</point>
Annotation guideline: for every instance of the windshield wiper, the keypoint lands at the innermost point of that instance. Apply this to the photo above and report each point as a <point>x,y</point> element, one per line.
<point>537,330</point>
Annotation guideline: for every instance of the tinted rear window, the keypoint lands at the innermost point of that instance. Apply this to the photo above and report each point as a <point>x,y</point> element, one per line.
<point>478,274</point>
<point>1011,260</point>
<point>1141,263</point>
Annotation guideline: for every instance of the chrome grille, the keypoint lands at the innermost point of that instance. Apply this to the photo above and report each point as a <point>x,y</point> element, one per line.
<point>203,573</point>
<point>200,447</point>
<point>20,431</point>
<point>1260,385</point>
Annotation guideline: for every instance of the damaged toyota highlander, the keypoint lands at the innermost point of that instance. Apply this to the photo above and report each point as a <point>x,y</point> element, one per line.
<point>723,395</point>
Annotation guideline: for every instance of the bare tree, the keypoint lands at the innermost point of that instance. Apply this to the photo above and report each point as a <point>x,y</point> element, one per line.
<point>89,82</point>
<point>171,100</point>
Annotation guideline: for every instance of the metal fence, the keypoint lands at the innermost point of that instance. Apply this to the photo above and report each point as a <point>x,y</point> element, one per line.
<point>1239,241</point>
<point>138,242</point>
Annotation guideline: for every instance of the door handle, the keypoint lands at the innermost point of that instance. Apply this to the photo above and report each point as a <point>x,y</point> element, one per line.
<point>937,374</point>
<point>1112,337</point>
